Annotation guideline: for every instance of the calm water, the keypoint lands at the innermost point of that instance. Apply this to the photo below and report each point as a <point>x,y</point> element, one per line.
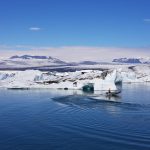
<point>70,120</point>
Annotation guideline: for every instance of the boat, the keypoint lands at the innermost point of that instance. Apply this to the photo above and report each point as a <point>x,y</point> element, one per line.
<point>113,93</point>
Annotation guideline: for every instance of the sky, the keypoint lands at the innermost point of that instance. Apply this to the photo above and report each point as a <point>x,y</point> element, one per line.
<point>69,28</point>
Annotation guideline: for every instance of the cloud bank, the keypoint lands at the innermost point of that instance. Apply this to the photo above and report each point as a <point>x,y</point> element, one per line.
<point>76,53</point>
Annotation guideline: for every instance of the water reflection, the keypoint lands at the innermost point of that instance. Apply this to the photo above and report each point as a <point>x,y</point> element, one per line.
<point>89,100</point>
<point>113,104</point>
<point>96,95</point>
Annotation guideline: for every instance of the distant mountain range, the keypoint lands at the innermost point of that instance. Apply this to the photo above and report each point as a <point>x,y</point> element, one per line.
<point>29,57</point>
<point>132,60</point>
<point>28,61</point>
<point>48,58</point>
<point>45,62</point>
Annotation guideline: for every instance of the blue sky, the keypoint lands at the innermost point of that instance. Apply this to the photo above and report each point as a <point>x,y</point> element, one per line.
<point>104,23</point>
<point>75,29</point>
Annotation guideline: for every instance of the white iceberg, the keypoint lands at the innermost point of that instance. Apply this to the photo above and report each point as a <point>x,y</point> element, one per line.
<point>100,81</point>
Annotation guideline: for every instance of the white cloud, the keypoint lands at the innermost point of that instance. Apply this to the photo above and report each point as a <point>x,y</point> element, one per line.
<point>147,20</point>
<point>34,29</point>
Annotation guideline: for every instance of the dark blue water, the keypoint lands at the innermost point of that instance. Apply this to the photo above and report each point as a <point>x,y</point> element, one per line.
<point>71,120</point>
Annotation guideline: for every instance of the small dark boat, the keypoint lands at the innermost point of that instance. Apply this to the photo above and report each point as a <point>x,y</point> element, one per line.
<point>113,93</point>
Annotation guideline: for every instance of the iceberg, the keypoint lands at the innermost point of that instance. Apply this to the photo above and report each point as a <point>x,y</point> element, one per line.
<point>135,74</point>
<point>98,80</point>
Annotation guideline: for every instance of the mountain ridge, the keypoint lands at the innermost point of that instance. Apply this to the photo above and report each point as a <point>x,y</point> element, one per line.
<point>132,60</point>
<point>25,61</point>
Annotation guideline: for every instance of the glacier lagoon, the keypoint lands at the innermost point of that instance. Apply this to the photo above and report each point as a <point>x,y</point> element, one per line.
<point>58,119</point>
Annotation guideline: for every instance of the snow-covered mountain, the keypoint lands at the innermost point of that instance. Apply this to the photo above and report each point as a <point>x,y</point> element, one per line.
<point>38,58</point>
<point>29,57</point>
<point>26,61</point>
<point>127,60</point>
<point>132,60</point>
